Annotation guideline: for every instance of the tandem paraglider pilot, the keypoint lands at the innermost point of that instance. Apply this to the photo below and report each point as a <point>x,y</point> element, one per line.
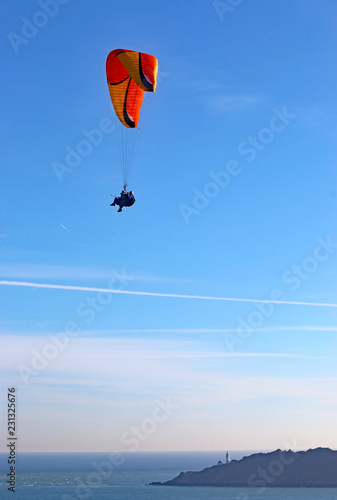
<point>129,75</point>
<point>126,199</point>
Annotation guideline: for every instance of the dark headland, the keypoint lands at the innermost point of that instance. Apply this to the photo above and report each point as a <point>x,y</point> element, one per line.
<point>312,468</point>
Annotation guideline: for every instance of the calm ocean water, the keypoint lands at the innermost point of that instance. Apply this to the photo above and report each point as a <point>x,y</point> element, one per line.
<point>94,476</point>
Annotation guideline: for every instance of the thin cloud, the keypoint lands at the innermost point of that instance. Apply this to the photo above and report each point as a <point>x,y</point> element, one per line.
<point>199,85</point>
<point>50,271</point>
<point>16,328</point>
<point>235,102</point>
<point>300,328</point>
<point>201,355</point>
<point>155,294</point>
<point>121,370</point>
<point>201,331</point>
<point>270,329</point>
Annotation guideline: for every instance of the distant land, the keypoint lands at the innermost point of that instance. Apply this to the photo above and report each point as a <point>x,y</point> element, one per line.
<point>315,468</point>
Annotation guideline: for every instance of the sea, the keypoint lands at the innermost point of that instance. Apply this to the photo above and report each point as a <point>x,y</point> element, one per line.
<point>126,476</point>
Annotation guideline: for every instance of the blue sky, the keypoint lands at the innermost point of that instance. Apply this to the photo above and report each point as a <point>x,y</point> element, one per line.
<point>236,196</point>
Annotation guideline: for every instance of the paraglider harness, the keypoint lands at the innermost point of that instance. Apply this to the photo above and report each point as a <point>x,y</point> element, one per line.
<point>126,199</point>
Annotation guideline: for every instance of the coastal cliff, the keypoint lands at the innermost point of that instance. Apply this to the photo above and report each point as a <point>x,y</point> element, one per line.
<point>312,468</point>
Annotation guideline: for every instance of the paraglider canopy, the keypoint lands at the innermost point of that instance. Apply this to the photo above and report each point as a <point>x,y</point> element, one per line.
<point>129,75</point>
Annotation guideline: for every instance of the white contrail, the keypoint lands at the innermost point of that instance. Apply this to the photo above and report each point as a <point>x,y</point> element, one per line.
<point>154,294</point>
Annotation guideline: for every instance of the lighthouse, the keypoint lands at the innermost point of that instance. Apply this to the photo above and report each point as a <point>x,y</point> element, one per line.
<point>228,458</point>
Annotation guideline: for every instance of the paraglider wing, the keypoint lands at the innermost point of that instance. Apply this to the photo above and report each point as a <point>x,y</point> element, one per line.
<point>129,75</point>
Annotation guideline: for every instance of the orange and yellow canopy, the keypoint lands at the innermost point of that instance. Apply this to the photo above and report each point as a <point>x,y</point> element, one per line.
<point>129,75</point>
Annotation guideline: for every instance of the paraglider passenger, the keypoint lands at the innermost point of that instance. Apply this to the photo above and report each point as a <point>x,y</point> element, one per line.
<point>126,199</point>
